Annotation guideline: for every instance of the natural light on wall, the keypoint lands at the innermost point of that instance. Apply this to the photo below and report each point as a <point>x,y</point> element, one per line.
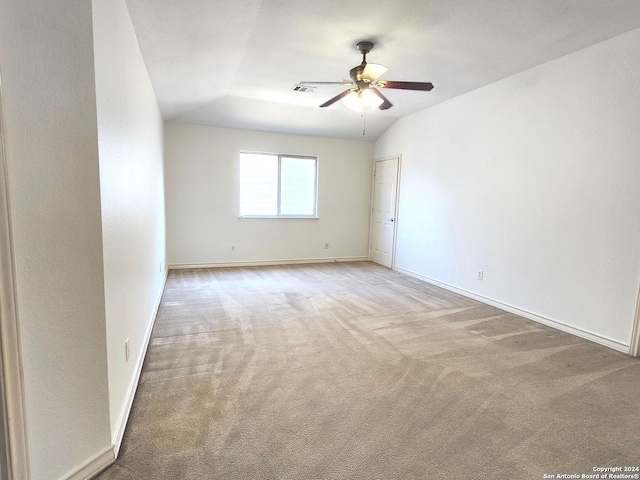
<point>277,185</point>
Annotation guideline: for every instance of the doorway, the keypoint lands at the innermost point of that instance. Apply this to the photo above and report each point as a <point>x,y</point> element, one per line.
<point>384,202</point>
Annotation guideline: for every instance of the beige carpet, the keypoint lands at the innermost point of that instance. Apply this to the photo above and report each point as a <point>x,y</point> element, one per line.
<point>352,371</point>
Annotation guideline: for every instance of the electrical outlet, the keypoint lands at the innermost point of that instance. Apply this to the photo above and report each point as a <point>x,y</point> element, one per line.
<point>127,352</point>
<point>326,246</point>
<point>481,275</point>
<point>233,248</point>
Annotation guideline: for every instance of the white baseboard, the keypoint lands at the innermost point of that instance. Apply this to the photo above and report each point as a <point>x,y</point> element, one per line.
<point>634,349</point>
<point>94,465</point>
<point>578,332</point>
<point>101,460</point>
<point>118,435</point>
<point>257,263</point>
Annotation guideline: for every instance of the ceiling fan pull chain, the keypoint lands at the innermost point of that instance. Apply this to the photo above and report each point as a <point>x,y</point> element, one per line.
<point>364,125</point>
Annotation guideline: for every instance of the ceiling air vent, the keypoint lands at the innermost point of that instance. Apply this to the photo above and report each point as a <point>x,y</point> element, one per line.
<point>303,88</point>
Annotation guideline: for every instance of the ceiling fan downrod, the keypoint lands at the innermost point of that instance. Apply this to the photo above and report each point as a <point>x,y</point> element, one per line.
<point>364,47</point>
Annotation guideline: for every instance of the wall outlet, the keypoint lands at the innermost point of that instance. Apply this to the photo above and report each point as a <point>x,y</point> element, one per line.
<point>233,248</point>
<point>127,352</point>
<point>326,246</point>
<point>481,275</point>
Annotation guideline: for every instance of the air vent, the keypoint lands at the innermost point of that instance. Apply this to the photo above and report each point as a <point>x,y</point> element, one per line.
<point>303,88</point>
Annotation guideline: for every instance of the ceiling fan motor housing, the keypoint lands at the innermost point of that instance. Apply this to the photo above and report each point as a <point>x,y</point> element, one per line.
<point>356,75</point>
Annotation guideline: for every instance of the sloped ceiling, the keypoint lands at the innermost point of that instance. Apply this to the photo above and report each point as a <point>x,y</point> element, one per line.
<point>232,63</point>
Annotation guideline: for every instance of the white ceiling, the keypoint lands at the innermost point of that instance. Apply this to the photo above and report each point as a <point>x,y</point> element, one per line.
<point>232,63</point>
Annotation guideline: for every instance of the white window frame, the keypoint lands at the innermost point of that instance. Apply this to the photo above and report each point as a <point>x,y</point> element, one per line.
<point>279,215</point>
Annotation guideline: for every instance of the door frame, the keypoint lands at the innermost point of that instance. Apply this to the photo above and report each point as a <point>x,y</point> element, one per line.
<point>634,348</point>
<point>11,378</point>
<point>397,201</point>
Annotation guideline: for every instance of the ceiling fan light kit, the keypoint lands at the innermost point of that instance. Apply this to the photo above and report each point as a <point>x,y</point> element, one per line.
<point>363,94</point>
<point>361,101</point>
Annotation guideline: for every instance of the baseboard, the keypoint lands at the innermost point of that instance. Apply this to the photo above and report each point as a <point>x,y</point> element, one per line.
<point>578,332</point>
<point>93,465</point>
<point>257,263</point>
<point>634,349</point>
<point>133,386</point>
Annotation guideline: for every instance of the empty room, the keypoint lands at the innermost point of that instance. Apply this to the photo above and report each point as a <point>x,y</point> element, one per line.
<point>267,239</point>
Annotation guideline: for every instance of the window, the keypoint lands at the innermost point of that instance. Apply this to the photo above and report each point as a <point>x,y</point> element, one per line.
<point>278,185</point>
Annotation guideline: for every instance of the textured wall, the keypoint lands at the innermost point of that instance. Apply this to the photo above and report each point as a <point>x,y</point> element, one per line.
<point>533,180</point>
<point>46,61</point>
<point>202,198</point>
<point>130,131</point>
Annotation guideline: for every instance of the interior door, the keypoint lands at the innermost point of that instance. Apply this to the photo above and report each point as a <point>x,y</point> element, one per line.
<point>383,211</point>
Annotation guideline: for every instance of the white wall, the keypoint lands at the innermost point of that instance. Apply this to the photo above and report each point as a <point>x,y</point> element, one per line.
<point>202,198</point>
<point>46,63</point>
<point>535,180</point>
<point>130,137</point>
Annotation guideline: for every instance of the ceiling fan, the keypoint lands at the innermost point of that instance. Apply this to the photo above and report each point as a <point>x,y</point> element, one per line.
<point>363,93</point>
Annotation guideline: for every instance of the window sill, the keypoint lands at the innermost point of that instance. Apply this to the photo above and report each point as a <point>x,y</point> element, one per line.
<point>275,217</point>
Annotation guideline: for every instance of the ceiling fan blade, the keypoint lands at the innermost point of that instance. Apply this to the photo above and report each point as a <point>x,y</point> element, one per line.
<point>372,71</point>
<point>336,98</point>
<point>424,86</point>
<point>386,104</point>
<point>344,82</point>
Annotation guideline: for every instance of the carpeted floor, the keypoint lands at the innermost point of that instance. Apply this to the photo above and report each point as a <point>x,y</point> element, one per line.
<point>352,371</point>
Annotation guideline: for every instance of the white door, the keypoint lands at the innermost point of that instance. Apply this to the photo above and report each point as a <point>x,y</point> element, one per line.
<point>383,211</point>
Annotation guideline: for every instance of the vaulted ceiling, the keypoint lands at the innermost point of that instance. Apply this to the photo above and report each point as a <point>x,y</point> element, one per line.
<point>233,63</point>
